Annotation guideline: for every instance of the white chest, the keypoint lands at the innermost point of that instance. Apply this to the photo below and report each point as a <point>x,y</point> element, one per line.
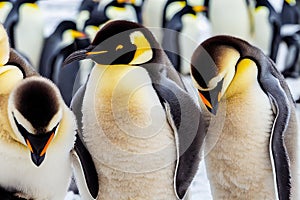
<point>126,131</point>
<point>237,148</point>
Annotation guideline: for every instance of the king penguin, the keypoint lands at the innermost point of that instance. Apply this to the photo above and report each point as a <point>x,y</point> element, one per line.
<point>37,133</point>
<point>251,142</point>
<point>141,127</point>
<point>25,27</point>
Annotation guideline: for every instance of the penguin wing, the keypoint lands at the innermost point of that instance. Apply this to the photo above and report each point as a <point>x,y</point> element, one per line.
<point>84,165</point>
<point>76,106</point>
<point>85,170</point>
<point>16,59</point>
<point>281,101</point>
<point>189,129</point>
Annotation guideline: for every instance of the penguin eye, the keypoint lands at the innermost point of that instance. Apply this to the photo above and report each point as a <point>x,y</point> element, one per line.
<point>119,47</point>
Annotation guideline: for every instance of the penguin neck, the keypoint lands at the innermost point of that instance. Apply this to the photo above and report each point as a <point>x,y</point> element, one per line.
<point>119,79</point>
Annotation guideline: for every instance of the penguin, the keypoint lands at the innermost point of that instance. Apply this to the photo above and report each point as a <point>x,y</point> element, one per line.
<point>184,32</point>
<point>5,7</point>
<point>267,22</point>
<point>143,130</point>
<point>37,134</point>
<point>230,18</point>
<point>170,9</point>
<point>69,78</point>
<point>62,35</point>
<point>290,13</point>
<point>154,21</point>
<point>109,10</point>
<point>138,4</point>
<point>251,139</point>
<point>290,32</point>
<point>292,60</point>
<point>25,27</point>
<point>84,13</point>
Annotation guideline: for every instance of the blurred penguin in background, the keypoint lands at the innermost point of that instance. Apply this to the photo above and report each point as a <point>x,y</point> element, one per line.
<point>84,13</point>
<point>25,26</point>
<point>63,41</point>
<point>230,17</point>
<point>154,22</point>
<point>184,32</point>
<point>290,33</point>
<point>267,26</point>
<point>109,10</point>
<point>5,7</point>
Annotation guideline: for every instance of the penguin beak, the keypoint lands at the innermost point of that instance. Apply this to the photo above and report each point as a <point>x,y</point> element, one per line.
<point>209,100</point>
<point>76,56</point>
<point>198,9</point>
<point>81,55</point>
<point>212,98</point>
<point>38,146</point>
<point>77,34</point>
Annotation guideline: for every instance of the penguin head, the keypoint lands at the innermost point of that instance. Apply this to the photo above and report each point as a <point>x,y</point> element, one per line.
<point>221,67</point>
<point>35,111</point>
<point>4,46</point>
<point>119,42</point>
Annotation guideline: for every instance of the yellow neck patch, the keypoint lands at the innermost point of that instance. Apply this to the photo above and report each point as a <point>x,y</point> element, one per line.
<point>32,5</point>
<point>291,2</point>
<point>143,51</point>
<point>2,4</point>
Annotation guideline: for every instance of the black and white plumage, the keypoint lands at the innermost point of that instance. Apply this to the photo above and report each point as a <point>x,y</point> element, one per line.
<point>252,139</point>
<point>142,128</point>
<point>267,22</point>
<point>184,32</point>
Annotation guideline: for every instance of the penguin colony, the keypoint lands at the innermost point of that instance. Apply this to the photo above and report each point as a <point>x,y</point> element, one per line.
<point>125,104</point>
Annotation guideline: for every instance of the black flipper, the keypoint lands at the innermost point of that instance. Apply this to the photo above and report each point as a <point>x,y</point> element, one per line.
<point>85,164</point>
<point>189,129</point>
<point>280,98</point>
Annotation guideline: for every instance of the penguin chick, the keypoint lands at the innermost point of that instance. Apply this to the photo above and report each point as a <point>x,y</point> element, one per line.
<point>37,134</point>
<point>252,138</point>
<point>142,128</point>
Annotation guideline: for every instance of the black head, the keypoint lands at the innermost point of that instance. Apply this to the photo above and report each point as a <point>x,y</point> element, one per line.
<point>119,42</point>
<point>35,110</point>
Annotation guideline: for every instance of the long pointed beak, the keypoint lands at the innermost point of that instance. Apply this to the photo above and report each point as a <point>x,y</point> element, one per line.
<point>76,56</point>
<point>38,147</point>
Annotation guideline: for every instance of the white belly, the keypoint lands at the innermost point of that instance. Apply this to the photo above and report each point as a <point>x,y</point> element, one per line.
<point>237,149</point>
<point>131,141</point>
<point>17,172</point>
